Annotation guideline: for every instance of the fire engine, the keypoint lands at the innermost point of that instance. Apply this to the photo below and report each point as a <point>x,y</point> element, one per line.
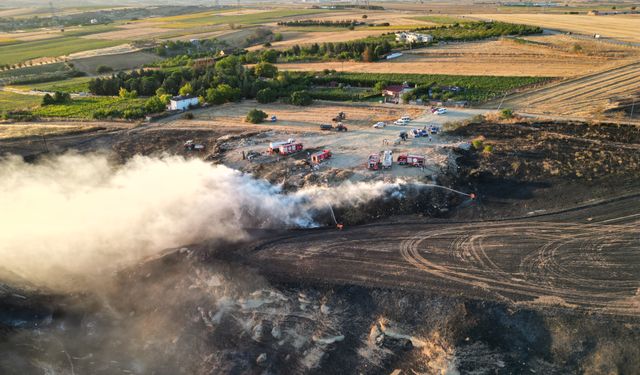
<point>412,160</point>
<point>284,148</point>
<point>290,148</point>
<point>319,157</point>
<point>374,162</point>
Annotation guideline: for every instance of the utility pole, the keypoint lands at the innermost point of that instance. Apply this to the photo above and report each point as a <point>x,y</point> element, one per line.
<point>46,148</point>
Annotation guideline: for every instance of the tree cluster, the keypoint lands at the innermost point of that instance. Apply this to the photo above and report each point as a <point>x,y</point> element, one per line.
<point>326,23</point>
<point>57,98</point>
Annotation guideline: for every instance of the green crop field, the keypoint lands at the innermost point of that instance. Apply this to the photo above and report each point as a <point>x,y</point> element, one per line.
<point>71,85</point>
<point>85,107</point>
<point>16,53</point>
<point>30,71</point>
<point>475,88</point>
<point>10,101</point>
<point>216,18</point>
<point>82,108</point>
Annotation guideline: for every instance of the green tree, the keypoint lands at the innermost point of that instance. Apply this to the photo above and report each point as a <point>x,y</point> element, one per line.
<point>102,69</point>
<point>302,98</point>
<point>266,70</point>
<point>186,89</point>
<point>47,99</point>
<point>270,56</point>
<point>256,116</point>
<point>223,94</point>
<point>154,105</point>
<point>380,86</point>
<point>126,94</point>
<point>267,95</point>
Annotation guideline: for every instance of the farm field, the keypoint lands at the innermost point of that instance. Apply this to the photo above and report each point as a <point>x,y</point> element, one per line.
<point>586,96</point>
<point>72,85</point>
<point>10,101</point>
<point>30,130</point>
<point>622,27</point>
<point>124,61</point>
<point>218,18</point>
<point>544,56</point>
<point>78,108</point>
<point>13,54</point>
<point>83,108</point>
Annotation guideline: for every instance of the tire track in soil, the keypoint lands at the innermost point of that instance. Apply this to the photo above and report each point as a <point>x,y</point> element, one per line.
<point>554,260</point>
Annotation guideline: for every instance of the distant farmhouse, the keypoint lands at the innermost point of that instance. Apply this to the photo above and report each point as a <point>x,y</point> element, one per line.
<point>410,37</point>
<point>182,103</point>
<point>393,93</point>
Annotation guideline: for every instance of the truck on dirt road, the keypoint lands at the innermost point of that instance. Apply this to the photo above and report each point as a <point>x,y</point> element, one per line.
<point>373,163</point>
<point>287,147</point>
<point>339,127</point>
<point>321,156</point>
<point>411,160</point>
<point>387,159</point>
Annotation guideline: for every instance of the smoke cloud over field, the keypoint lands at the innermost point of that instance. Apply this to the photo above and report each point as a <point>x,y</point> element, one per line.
<point>80,216</point>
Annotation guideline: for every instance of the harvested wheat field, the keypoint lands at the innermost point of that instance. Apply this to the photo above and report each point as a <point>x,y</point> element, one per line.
<point>622,27</point>
<point>585,96</point>
<point>499,58</point>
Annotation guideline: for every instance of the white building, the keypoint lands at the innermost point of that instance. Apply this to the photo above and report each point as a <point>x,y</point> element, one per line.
<point>405,37</point>
<point>181,103</point>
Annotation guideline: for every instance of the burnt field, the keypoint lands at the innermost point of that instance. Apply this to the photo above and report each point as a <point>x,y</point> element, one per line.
<point>538,274</point>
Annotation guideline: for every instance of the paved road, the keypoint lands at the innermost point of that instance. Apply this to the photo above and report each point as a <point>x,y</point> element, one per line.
<point>586,258</point>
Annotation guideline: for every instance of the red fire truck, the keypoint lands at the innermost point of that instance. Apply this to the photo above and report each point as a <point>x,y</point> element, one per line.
<point>290,148</point>
<point>321,156</point>
<point>412,160</point>
<point>374,162</point>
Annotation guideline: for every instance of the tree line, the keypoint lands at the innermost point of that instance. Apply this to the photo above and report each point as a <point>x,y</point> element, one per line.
<point>326,23</point>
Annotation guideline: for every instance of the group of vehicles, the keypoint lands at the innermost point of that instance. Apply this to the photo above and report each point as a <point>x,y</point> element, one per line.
<point>290,146</point>
<point>375,161</point>
<point>405,120</point>
<point>384,160</point>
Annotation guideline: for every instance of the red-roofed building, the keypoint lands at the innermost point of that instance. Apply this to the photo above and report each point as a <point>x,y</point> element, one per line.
<point>393,93</point>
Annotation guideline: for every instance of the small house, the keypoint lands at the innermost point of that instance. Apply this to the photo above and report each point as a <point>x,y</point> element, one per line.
<point>182,102</point>
<point>393,93</point>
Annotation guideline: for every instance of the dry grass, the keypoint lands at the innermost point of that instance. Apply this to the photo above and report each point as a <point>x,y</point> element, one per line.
<point>623,27</point>
<point>587,96</point>
<point>500,58</point>
<point>31,130</point>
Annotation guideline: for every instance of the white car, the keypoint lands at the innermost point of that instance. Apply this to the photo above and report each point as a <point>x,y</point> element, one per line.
<point>440,111</point>
<point>405,118</point>
<point>379,125</point>
<point>401,122</point>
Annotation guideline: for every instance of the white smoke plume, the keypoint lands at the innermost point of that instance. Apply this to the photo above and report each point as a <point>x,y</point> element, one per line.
<point>76,216</point>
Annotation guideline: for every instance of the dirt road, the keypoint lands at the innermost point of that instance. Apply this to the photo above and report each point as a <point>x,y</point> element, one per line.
<point>585,258</point>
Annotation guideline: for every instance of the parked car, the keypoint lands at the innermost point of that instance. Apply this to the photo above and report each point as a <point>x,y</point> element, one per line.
<point>401,122</point>
<point>439,111</point>
<point>326,127</point>
<point>379,125</point>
